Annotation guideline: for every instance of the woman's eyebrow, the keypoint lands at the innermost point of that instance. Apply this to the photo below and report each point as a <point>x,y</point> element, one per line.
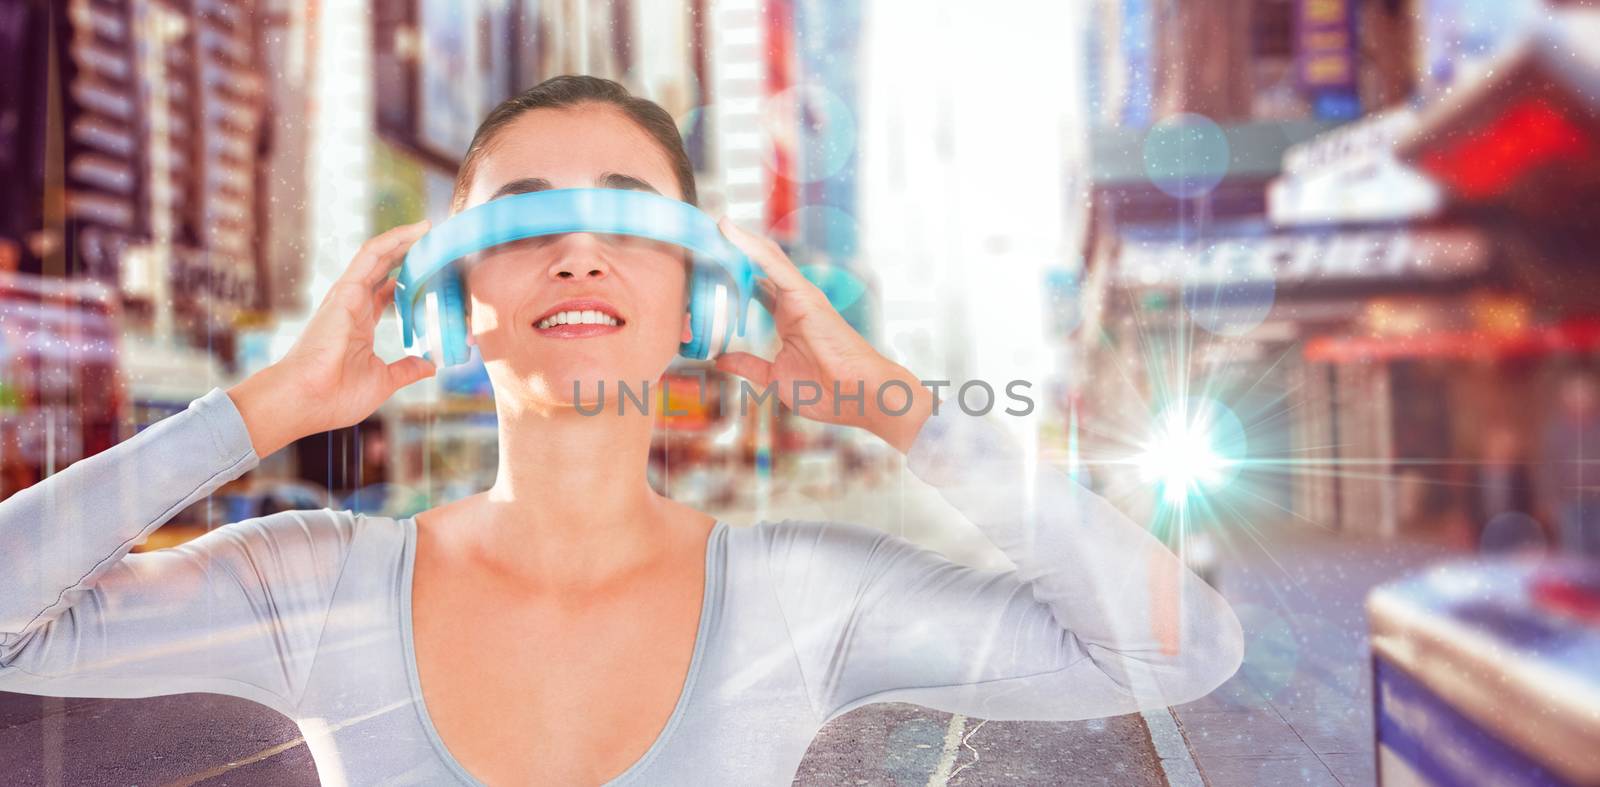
<point>608,180</point>
<point>613,180</point>
<point>521,186</point>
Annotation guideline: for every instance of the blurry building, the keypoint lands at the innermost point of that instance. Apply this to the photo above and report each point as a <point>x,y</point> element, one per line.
<point>1503,131</point>
<point>1412,277</point>
<point>133,138</point>
<point>1194,105</point>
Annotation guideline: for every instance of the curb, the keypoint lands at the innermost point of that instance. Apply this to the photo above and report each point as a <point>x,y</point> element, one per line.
<point>1177,762</point>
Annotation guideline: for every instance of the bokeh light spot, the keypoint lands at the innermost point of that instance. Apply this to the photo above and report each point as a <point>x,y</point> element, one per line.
<point>814,124</point>
<point>1230,308</point>
<point>1186,155</point>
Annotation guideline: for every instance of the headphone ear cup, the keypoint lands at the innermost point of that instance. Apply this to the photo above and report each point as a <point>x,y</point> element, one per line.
<point>453,318</point>
<point>711,315</point>
<point>429,339</point>
<point>699,316</point>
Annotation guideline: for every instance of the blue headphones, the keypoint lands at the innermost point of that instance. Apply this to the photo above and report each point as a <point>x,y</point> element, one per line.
<point>720,285</point>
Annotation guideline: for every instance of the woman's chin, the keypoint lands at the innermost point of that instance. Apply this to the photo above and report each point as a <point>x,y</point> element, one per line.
<point>569,382</point>
<point>592,390</point>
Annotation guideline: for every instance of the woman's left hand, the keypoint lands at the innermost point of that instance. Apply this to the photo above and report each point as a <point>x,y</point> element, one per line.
<point>833,373</point>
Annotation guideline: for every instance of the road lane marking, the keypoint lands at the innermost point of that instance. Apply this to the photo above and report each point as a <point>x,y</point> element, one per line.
<point>947,756</point>
<point>326,730</point>
<point>975,757</point>
<point>196,778</point>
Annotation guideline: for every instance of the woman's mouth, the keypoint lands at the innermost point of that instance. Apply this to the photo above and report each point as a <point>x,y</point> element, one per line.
<point>575,323</point>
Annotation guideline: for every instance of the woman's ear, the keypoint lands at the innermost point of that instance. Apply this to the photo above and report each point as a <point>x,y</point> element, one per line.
<point>687,334</point>
<point>467,308</point>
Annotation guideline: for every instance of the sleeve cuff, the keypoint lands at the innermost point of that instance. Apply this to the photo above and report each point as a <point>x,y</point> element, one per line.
<point>228,431</point>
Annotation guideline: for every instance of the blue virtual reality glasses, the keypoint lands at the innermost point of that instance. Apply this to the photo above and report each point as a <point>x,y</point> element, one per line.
<point>720,285</point>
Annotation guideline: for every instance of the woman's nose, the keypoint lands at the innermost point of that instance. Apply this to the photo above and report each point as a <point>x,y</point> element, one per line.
<point>579,255</point>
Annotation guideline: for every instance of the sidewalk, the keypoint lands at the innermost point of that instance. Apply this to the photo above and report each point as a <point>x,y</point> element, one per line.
<point>1300,709</point>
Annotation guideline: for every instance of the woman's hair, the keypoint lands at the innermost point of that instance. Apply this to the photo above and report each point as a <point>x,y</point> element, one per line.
<point>570,90</point>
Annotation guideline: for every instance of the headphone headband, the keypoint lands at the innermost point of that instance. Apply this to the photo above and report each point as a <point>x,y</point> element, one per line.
<point>556,211</point>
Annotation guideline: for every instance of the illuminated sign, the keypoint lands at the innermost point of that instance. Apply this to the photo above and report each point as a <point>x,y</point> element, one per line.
<point>1332,257</point>
<point>1325,44</point>
<point>1351,175</point>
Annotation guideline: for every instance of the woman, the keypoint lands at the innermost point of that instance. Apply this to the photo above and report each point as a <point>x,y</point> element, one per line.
<point>568,625</point>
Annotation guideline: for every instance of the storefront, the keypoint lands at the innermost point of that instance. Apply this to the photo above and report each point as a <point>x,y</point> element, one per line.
<point>1426,380</point>
<point>1516,150</point>
<point>1348,445</point>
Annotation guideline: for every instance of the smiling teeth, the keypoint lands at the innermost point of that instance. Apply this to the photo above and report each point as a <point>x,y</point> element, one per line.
<point>588,317</point>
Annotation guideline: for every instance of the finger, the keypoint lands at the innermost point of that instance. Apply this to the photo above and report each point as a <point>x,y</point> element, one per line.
<point>766,254</point>
<point>383,297</point>
<point>378,256</point>
<point>408,370</point>
<point>750,367</point>
<point>766,294</point>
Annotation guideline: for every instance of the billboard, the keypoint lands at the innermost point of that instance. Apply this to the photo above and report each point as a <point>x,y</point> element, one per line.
<point>1325,56</point>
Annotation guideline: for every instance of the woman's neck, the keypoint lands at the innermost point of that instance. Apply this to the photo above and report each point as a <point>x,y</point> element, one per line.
<point>571,504</point>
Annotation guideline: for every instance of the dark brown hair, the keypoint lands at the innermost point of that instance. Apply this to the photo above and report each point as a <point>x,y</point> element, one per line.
<point>570,90</point>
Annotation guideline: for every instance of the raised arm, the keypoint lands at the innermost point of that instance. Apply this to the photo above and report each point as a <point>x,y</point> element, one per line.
<point>1098,618</point>
<point>238,610</point>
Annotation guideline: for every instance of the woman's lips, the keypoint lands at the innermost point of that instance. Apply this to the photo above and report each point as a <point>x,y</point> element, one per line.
<point>579,318</point>
<point>577,331</point>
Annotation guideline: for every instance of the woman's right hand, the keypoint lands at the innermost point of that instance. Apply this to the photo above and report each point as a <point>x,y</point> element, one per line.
<point>331,377</point>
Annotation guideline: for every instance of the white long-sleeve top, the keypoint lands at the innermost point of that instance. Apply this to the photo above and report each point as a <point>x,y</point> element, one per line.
<point>309,612</point>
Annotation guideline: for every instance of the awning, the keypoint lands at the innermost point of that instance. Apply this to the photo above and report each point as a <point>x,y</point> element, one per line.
<point>1566,337</point>
<point>1126,183</point>
<point>1526,135</point>
<point>1255,150</point>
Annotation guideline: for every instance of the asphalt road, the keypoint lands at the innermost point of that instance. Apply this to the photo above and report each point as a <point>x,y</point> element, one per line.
<point>216,740</point>
<point>182,739</point>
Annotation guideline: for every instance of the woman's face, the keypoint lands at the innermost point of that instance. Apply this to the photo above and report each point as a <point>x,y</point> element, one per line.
<point>517,288</point>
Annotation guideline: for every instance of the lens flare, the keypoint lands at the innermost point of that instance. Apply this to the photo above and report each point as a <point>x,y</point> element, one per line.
<point>1195,446</point>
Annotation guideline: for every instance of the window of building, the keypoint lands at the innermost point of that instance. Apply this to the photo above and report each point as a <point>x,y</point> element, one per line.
<point>1272,33</point>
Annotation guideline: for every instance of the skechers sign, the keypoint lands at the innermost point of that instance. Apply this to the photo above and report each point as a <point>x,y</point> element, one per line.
<point>1332,257</point>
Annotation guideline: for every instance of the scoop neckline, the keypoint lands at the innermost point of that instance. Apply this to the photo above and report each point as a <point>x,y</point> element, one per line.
<point>713,584</point>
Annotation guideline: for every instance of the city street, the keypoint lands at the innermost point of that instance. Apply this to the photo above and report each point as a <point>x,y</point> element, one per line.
<point>1308,289</point>
<point>216,740</point>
